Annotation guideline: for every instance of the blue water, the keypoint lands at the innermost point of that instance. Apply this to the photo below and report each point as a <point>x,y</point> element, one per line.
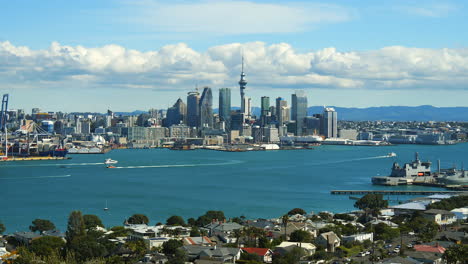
<point>161,183</point>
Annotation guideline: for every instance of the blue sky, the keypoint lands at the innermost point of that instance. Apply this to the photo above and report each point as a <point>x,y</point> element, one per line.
<point>128,55</point>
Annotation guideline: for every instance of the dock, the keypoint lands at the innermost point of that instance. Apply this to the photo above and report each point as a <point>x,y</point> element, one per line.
<point>33,158</point>
<point>393,192</point>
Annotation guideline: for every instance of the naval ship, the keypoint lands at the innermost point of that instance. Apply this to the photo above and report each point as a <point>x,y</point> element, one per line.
<point>452,176</point>
<point>416,171</point>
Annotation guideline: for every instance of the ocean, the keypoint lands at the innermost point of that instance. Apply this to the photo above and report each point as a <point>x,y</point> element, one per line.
<point>161,182</point>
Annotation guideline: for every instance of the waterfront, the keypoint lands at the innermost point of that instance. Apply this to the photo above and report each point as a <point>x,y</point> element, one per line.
<point>161,183</point>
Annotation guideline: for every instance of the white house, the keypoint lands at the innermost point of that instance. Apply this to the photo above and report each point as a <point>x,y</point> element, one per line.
<point>358,237</point>
<point>441,217</point>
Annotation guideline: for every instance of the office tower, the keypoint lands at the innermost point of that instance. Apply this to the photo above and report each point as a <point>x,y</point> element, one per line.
<point>193,110</point>
<point>265,105</point>
<point>225,106</point>
<point>282,111</point>
<point>242,84</point>
<point>330,122</point>
<point>176,114</point>
<point>247,108</point>
<point>206,108</point>
<point>299,110</point>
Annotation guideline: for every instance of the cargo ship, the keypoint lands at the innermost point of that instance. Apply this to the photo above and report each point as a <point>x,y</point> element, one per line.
<point>452,176</point>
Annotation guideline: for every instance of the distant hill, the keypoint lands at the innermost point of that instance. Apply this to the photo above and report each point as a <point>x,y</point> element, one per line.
<point>399,113</point>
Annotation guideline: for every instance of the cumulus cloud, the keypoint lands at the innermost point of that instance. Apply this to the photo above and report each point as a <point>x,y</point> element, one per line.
<point>267,66</point>
<point>233,17</point>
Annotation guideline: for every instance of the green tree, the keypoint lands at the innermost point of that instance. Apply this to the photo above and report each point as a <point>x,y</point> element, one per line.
<point>456,254</point>
<point>2,228</point>
<point>170,247</point>
<point>75,227</point>
<point>179,257</point>
<point>385,232</point>
<point>175,220</point>
<point>92,221</point>
<point>297,211</point>
<point>210,216</point>
<point>47,245</point>
<point>41,225</point>
<point>195,232</point>
<point>137,246</point>
<point>371,202</point>
<point>285,220</point>
<point>138,219</point>
<point>300,236</point>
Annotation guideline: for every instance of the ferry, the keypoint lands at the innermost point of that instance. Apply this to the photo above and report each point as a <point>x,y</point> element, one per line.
<point>110,161</point>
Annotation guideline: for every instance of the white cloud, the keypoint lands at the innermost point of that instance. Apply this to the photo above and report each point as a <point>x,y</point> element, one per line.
<point>232,17</point>
<point>179,67</point>
<point>429,9</point>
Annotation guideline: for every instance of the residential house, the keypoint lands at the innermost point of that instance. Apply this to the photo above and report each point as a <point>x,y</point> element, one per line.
<point>54,233</point>
<point>329,240</point>
<point>26,237</point>
<point>223,230</point>
<point>265,253</point>
<point>358,237</point>
<point>198,241</point>
<point>155,242</point>
<point>461,213</point>
<point>284,247</point>
<point>411,207</point>
<point>293,226</point>
<point>223,254</point>
<point>425,257</point>
<point>428,248</point>
<point>441,217</point>
<point>453,236</point>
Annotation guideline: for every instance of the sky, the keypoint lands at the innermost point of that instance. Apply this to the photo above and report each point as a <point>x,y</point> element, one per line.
<point>125,55</point>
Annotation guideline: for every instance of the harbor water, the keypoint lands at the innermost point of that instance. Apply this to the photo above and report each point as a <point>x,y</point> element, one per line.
<point>160,182</point>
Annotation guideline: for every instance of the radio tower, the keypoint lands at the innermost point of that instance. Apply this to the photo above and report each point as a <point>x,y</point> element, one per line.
<point>242,84</point>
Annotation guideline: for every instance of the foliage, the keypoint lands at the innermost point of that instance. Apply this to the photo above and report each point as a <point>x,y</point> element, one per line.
<point>47,245</point>
<point>92,221</point>
<point>348,229</point>
<point>209,216</point>
<point>195,232</point>
<point>325,216</point>
<point>291,257</point>
<point>249,258</point>
<point>175,220</point>
<point>450,203</point>
<point>349,251</point>
<point>372,202</point>
<point>297,211</point>
<point>75,227</point>
<point>300,236</point>
<point>179,257</point>
<point>41,225</point>
<point>138,219</point>
<point>170,247</point>
<point>137,246</point>
<point>191,221</point>
<point>456,254</point>
<point>2,228</point>
<point>383,231</point>
<point>322,254</point>
<point>425,228</point>
<point>345,217</point>
<point>118,231</point>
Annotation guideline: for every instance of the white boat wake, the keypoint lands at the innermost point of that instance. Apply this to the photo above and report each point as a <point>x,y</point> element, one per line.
<point>37,177</point>
<point>179,165</point>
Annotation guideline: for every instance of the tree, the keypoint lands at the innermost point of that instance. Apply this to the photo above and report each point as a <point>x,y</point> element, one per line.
<point>2,228</point>
<point>210,216</point>
<point>138,219</point>
<point>175,220</point>
<point>47,245</point>
<point>170,247</point>
<point>456,254</point>
<point>385,232</point>
<point>372,202</point>
<point>300,236</point>
<point>75,227</point>
<point>41,225</point>
<point>92,221</point>
<point>195,232</point>
<point>297,211</point>
<point>285,220</point>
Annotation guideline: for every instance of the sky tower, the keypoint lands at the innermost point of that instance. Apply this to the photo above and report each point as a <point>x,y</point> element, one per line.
<point>242,84</point>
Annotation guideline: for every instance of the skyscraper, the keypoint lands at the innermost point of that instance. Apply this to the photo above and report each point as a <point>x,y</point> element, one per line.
<point>242,85</point>
<point>265,105</point>
<point>193,110</point>
<point>330,122</point>
<point>225,106</point>
<point>206,108</point>
<point>247,108</point>
<point>282,111</point>
<point>176,114</point>
<point>299,110</point>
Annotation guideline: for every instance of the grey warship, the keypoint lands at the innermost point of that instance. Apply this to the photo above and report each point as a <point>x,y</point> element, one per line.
<point>416,171</point>
<point>452,176</point>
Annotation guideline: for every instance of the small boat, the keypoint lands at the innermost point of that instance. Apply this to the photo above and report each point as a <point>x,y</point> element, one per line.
<point>110,161</point>
<point>105,208</point>
<point>391,154</point>
<point>110,167</point>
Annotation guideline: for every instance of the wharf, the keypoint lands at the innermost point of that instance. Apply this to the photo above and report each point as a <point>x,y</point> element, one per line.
<point>393,192</point>
<point>33,158</point>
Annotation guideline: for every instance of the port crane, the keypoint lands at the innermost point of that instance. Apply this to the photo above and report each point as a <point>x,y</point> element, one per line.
<point>3,121</point>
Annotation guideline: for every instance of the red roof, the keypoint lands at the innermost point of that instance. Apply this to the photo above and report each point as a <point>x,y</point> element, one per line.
<point>427,248</point>
<point>258,251</point>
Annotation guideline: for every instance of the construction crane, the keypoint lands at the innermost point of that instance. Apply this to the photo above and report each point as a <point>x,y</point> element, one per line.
<point>3,121</point>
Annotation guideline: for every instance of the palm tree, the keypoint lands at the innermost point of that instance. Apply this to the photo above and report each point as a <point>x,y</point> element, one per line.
<point>238,234</point>
<point>285,220</point>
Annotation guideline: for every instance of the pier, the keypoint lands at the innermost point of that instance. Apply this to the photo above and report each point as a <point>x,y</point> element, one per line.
<point>393,192</point>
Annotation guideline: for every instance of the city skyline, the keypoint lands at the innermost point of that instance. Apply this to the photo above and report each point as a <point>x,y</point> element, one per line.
<point>341,53</point>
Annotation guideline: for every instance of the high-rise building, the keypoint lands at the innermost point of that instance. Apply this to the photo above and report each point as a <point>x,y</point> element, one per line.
<point>330,122</point>
<point>176,114</point>
<point>225,106</point>
<point>242,85</point>
<point>193,108</point>
<point>265,105</point>
<point>282,111</point>
<point>299,110</point>
<point>206,108</point>
<point>247,108</point>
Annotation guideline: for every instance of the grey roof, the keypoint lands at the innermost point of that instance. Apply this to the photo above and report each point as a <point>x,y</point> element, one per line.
<point>423,256</point>
<point>223,227</point>
<point>194,250</point>
<point>330,237</point>
<point>55,233</point>
<point>421,205</point>
<point>26,235</point>
<point>438,211</point>
<point>401,260</point>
